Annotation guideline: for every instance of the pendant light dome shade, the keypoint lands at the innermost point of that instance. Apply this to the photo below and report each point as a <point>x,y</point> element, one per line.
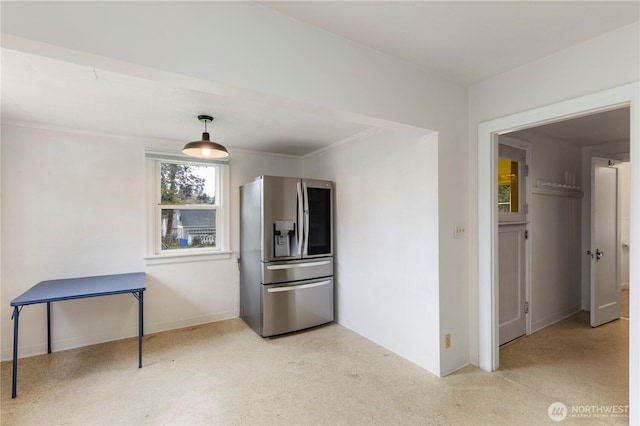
<point>205,148</point>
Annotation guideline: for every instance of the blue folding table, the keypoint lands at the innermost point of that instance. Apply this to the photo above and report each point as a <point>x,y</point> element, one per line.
<point>77,288</point>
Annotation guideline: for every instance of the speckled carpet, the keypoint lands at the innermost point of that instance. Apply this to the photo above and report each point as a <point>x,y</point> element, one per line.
<point>223,373</point>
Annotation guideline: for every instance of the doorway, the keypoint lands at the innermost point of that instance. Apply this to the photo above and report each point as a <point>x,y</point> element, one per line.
<point>488,220</point>
<point>560,173</point>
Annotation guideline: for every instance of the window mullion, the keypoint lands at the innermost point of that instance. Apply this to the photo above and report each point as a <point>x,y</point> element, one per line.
<point>189,206</point>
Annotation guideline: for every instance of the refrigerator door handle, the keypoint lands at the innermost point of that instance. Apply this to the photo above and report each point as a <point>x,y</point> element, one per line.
<point>305,251</point>
<point>298,287</point>
<point>297,265</point>
<point>300,218</point>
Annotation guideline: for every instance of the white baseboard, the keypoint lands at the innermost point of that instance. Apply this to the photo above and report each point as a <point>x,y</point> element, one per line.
<point>78,342</point>
<point>554,318</point>
<point>190,322</point>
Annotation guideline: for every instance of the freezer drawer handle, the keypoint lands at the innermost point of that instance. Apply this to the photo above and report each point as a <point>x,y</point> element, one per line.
<point>297,265</point>
<point>298,287</point>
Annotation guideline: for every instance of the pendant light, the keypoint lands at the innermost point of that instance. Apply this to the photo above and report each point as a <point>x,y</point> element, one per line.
<point>205,148</point>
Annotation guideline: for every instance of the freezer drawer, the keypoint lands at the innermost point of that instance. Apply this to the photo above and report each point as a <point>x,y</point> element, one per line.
<point>292,307</point>
<point>296,270</point>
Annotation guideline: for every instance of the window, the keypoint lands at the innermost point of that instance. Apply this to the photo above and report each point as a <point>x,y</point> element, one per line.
<point>188,207</point>
<point>512,177</point>
<point>508,186</point>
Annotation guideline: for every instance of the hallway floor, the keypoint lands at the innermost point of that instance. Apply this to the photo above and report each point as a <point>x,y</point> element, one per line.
<point>578,365</point>
<point>223,373</point>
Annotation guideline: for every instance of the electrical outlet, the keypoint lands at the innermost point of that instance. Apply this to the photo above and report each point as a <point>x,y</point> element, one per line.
<point>447,340</point>
<point>458,231</point>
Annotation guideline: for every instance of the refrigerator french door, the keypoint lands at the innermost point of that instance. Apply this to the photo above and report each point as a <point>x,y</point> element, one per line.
<point>297,218</point>
<point>286,243</point>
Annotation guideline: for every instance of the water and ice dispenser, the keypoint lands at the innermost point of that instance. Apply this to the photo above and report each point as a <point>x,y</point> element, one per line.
<point>284,235</point>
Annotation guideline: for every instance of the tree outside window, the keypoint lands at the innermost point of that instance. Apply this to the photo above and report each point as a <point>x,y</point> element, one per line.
<point>187,206</point>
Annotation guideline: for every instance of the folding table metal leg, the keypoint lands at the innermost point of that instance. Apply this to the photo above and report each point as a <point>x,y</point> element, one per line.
<point>140,325</point>
<point>140,296</point>
<point>14,383</point>
<point>48,327</point>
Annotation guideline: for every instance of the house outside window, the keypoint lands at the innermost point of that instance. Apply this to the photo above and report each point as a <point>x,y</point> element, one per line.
<point>187,206</point>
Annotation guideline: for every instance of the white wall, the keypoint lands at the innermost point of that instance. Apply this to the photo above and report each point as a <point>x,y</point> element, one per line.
<point>68,211</point>
<point>386,239</point>
<point>268,53</point>
<point>73,205</point>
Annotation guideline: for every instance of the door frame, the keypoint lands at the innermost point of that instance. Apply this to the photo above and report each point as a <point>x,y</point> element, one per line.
<point>627,95</point>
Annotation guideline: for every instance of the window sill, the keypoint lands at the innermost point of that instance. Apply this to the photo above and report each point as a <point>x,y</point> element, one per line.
<point>163,259</point>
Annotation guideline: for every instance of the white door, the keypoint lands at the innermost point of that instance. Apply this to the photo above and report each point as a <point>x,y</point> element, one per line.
<point>605,287</point>
<point>512,282</point>
<point>512,229</point>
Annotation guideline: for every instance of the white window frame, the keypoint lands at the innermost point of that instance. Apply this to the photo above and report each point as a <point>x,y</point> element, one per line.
<point>154,252</point>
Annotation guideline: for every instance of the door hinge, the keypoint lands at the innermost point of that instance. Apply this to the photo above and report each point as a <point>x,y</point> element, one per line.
<point>526,234</point>
<point>526,208</point>
<point>526,307</point>
<point>526,170</point>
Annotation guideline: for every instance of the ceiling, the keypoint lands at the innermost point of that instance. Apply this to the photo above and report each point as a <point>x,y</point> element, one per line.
<point>468,41</point>
<point>464,41</point>
<point>593,129</point>
<point>49,92</point>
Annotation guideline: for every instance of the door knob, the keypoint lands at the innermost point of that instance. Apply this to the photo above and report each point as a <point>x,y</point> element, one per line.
<point>598,254</point>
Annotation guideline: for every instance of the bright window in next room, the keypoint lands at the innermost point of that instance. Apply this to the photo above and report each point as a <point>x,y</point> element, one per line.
<point>187,213</point>
<point>508,172</point>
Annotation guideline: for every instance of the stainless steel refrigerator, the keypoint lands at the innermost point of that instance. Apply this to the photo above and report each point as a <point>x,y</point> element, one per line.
<point>286,254</point>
